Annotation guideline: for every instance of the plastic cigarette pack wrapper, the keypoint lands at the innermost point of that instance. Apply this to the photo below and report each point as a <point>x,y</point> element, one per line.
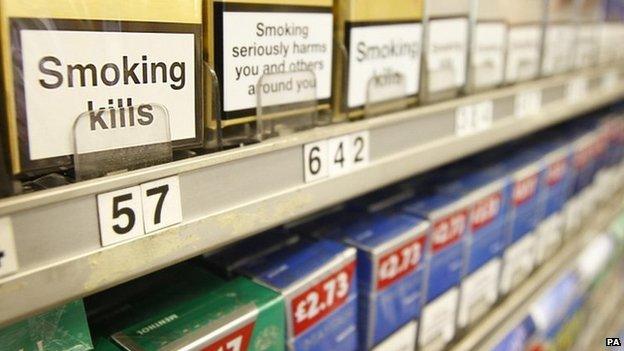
<point>448,215</point>
<point>378,58</point>
<point>526,171</point>
<point>488,38</point>
<point>60,329</point>
<point>191,308</point>
<point>317,280</point>
<point>446,48</point>
<point>63,58</point>
<point>487,191</point>
<point>391,249</point>
<point>559,37</point>
<point>272,58</point>
<point>524,40</point>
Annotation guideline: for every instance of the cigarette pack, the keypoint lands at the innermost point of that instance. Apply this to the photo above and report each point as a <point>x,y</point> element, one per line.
<point>64,58</point>
<point>448,215</point>
<point>317,280</point>
<point>60,329</point>
<point>191,308</point>
<point>488,37</point>
<point>271,58</point>
<point>379,54</point>
<point>446,48</point>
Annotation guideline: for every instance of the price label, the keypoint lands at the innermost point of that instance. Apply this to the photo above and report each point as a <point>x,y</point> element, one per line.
<point>484,115</point>
<point>399,263</point>
<point>121,215</point>
<point>315,161</point>
<point>576,89</point>
<point>464,121</point>
<point>471,119</point>
<point>321,299</point>
<point>131,212</point>
<point>610,80</point>
<point>335,156</point>
<point>8,254</point>
<point>238,340</point>
<point>527,103</point>
<point>339,151</point>
<point>360,148</point>
<point>162,206</point>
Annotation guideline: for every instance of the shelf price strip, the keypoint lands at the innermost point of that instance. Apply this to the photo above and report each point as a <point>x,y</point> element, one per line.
<point>610,79</point>
<point>336,156</point>
<point>527,103</point>
<point>475,118</point>
<point>8,255</point>
<point>576,90</point>
<point>142,209</point>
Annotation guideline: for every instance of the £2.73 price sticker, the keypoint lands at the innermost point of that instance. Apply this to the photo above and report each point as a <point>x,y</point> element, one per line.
<point>320,300</point>
<point>399,262</point>
<point>8,254</point>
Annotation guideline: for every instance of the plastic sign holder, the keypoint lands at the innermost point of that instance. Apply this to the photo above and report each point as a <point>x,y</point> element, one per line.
<point>286,103</point>
<point>212,107</point>
<point>121,139</point>
<point>385,93</point>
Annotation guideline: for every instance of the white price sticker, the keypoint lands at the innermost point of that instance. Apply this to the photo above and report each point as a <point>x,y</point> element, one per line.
<point>483,115</point>
<point>470,119</point>
<point>315,160</point>
<point>121,215</point>
<point>464,120</point>
<point>403,339</point>
<point>162,206</point>
<point>8,255</point>
<point>527,103</point>
<point>339,151</point>
<point>610,80</point>
<point>360,149</point>
<point>129,213</point>
<point>576,89</point>
<point>335,156</point>
<point>438,321</point>
<point>479,292</point>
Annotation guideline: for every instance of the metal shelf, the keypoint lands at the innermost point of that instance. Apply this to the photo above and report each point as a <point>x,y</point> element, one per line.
<point>511,311</point>
<point>230,195</point>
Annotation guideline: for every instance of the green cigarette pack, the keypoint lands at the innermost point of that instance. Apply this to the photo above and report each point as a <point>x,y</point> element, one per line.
<point>197,310</point>
<point>61,329</point>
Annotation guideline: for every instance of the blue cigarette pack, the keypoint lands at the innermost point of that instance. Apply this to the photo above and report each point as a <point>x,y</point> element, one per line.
<point>391,266</point>
<point>448,215</point>
<point>555,192</point>
<point>525,213</point>
<point>583,165</point>
<point>318,281</point>
<point>487,192</point>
